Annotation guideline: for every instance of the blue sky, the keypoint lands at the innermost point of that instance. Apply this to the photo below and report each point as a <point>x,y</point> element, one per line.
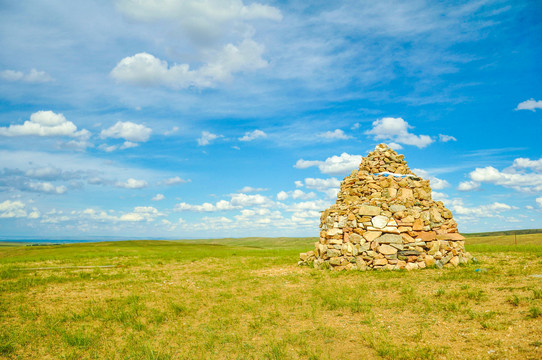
<point>219,118</point>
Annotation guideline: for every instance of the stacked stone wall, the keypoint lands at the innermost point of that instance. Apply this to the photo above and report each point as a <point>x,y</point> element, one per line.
<point>385,218</point>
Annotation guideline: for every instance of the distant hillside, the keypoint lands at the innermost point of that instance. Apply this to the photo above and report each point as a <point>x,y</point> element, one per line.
<point>507,232</point>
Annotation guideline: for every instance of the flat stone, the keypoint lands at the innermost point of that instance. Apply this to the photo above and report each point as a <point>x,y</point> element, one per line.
<point>408,253</point>
<point>390,230</point>
<point>405,194</point>
<point>364,247</point>
<point>379,221</point>
<point>418,225</point>
<point>335,261</point>
<point>407,238</point>
<point>451,236</point>
<point>387,249</point>
<point>334,231</point>
<point>427,236</point>
<point>371,235</point>
<point>333,253</point>
<point>390,239</point>
<point>380,262</point>
<point>356,239</point>
<point>454,261</point>
<point>411,266</point>
<point>368,210</point>
<point>396,208</point>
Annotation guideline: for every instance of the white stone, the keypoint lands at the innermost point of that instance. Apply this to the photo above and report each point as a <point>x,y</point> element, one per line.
<point>379,221</point>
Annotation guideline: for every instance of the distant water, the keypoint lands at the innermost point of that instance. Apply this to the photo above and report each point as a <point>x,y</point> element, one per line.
<point>61,241</point>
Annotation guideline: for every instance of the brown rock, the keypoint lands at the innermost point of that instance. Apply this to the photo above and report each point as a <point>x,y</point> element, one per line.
<point>427,236</point>
<point>371,235</point>
<point>418,225</point>
<point>387,249</point>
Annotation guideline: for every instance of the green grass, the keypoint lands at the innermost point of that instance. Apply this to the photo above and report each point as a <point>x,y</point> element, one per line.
<point>247,299</point>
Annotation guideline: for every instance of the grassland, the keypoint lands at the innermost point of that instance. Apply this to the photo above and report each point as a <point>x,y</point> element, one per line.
<point>247,299</point>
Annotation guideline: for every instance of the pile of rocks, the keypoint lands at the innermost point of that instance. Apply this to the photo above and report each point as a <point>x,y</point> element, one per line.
<point>384,218</point>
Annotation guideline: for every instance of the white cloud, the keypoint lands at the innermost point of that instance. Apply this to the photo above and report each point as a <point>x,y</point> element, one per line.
<point>335,165</point>
<point>173,130</point>
<point>446,138</point>
<point>12,209</point>
<point>46,187</point>
<point>128,145</point>
<point>248,189</point>
<point>132,184</point>
<point>158,197</point>
<point>45,123</point>
<point>436,183</point>
<point>253,135</point>
<point>298,183</point>
<point>539,201</point>
<point>108,148</point>
<point>491,210</point>
<point>517,181</point>
<point>337,134</point>
<point>397,130</point>
<point>524,163</point>
<point>237,201</point>
<point>468,186</point>
<point>245,200</point>
<point>175,180</point>
<point>127,130</point>
<point>299,194</point>
<point>34,76</point>
<point>141,213</point>
<point>282,195</point>
<point>530,104</point>
<point>322,184</point>
<point>207,137</point>
<point>203,22</point>
<point>144,69</point>
<point>395,146</point>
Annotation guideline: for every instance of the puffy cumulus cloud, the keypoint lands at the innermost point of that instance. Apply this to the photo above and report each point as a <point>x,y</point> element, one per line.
<point>299,194</point>
<point>531,182</point>
<point>446,138</point>
<point>397,130</point>
<point>141,213</point>
<point>436,183</point>
<point>221,205</point>
<point>337,134</point>
<point>12,209</point>
<point>175,180</point>
<point>539,201</point>
<point>207,137</point>
<point>158,197</point>
<point>200,20</point>
<point>248,189</point>
<point>238,201</point>
<point>530,104</point>
<point>490,210</point>
<point>335,165</point>
<point>468,186</point>
<point>129,131</point>
<point>395,146</point>
<point>144,69</point>
<point>525,163</point>
<point>45,123</point>
<point>314,205</point>
<point>253,135</point>
<point>45,187</point>
<point>132,184</point>
<point>33,76</point>
<point>244,200</point>
<point>282,195</point>
<point>329,186</point>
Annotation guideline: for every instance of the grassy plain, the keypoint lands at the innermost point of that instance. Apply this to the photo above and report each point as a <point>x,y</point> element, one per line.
<point>247,299</point>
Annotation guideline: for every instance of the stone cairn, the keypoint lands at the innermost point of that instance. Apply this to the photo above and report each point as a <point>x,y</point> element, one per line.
<point>385,219</point>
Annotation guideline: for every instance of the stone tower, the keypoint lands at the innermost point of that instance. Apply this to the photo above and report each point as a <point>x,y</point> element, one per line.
<point>384,218</point>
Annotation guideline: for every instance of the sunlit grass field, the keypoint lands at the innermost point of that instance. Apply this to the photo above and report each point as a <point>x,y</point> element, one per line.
<point>248,299</point>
